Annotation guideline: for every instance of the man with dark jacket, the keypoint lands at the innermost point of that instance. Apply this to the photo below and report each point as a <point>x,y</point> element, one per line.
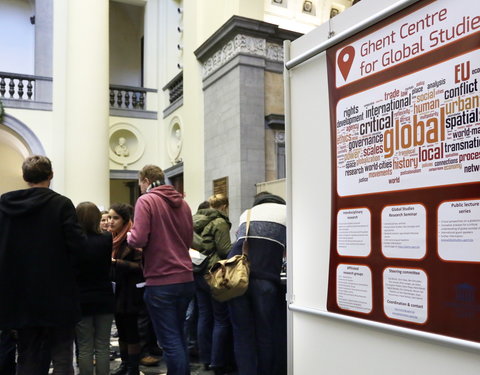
<point>163,229</point>
<point>254,315</point>
<point>39,234</point>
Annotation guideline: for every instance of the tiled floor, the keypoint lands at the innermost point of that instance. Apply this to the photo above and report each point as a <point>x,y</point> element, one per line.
<point>195,367</point>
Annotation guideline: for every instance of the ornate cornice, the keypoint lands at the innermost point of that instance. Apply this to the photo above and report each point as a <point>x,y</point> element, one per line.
<point>242,44</point>
<point>240,35</point>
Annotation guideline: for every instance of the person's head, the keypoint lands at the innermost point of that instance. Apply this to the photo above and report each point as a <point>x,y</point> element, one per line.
<point>121,141</point>
<point>89,217</point>
<point>203,205</point>
<point>150,175</point>
<point>37,169</point>
<point>104,220</point>
<point>219,202</point>
<point>119,215</point>
<point>267,197</point>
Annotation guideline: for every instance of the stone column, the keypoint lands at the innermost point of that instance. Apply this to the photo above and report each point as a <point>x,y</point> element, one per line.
<point>235,60</point>
<point>43,49</point>
<point>87,102</point>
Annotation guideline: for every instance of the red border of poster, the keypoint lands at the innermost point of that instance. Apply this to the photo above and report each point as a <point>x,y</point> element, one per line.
<point>420,239</point>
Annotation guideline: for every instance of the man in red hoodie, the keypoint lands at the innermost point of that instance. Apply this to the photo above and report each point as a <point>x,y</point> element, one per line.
<point>163,229</point>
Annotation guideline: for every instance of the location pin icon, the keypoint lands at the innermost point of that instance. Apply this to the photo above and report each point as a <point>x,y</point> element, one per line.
<point>345,60</point>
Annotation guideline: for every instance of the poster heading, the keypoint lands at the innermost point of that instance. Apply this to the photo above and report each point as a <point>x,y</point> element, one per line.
<point>421,32</point>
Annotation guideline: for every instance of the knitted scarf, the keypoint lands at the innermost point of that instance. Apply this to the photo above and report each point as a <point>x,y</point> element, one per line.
<point>119,237</point>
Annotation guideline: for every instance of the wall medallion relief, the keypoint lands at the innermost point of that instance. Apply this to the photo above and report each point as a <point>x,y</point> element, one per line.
<point>126,144</point>
<point>175,141</point>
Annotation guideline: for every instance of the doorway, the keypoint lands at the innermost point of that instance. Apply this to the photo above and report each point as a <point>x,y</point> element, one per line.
<point>124,191</point>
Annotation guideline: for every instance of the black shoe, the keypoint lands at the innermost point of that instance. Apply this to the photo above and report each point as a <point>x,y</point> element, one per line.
<point>156,351</point>
<point>133,362</point>
<point>222,370</point>
<point>121,370</point>
<point>193,351</point>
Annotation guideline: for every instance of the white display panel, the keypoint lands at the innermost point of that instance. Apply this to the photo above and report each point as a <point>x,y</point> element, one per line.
<point>459,231</point>
<point>405,294</point>
<point>404,231</point>
<point>354,288</point>
<point>354,232</point>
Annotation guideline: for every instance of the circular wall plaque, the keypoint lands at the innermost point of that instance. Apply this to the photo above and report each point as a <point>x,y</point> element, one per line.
<point>126,144</point>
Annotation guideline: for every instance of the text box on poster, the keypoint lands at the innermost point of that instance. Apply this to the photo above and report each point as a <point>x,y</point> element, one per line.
<point>354,288</point>
<point>354,232</point>
<point>417,131</point>
<point>404,231</point>
<point>459,231</point>
<point>405,294</point>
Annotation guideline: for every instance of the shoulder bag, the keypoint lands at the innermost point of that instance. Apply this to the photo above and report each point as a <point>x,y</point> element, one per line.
<point>228,278</point>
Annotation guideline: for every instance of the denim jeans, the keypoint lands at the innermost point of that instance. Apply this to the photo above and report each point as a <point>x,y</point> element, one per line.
<point>93,336</point>
<point>167,306</point>
<point>37,346</point>
<point>214,328</point>
<point>190,326</point>
<point>253,320</point>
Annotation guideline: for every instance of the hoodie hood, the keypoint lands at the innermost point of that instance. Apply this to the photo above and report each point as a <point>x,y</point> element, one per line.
<point>168,194</point>
<point>269,198</point>
<point>23,202</point>
<point>205,216</point>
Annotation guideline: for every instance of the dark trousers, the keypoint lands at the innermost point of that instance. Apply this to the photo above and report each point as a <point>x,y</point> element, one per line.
<point>254,323</point>
<point>127,327</point>
<point>37,346</point>
<point>214,327</point>
<point>190,327</point>
<point>148,341</point>
<point>8,347</point>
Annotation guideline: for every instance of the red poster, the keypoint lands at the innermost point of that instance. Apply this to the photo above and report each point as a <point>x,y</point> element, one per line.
<point>405,122</point>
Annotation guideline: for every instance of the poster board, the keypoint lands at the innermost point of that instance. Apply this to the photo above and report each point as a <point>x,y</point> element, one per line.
<point>405,126</point>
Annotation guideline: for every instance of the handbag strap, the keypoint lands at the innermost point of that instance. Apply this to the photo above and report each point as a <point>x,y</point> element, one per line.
<point>245,245</point>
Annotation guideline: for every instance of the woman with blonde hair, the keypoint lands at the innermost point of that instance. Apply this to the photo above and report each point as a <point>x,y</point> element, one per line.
<point>214,329</point>
<point>104,221</point>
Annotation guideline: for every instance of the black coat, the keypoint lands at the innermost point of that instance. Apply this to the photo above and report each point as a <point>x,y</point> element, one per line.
<point>94,262</point>
<point>38,235</point>
<point>127,273</point>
